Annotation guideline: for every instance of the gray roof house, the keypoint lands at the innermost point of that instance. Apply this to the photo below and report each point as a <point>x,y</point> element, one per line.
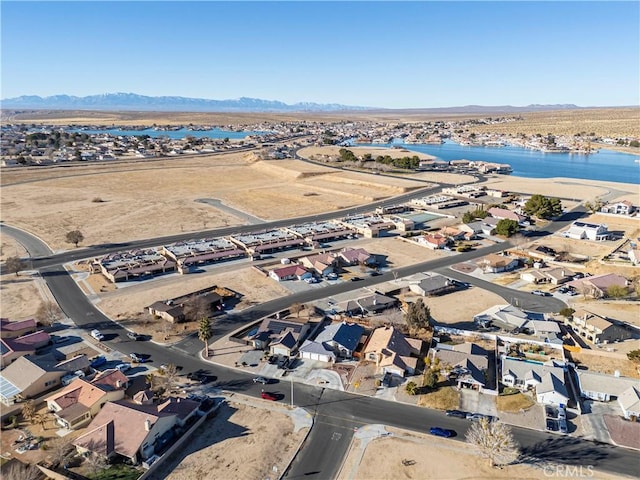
<point>468,363</point>
<point>434,285</point>
<point>603,387</point>
<point>316,351</point>
<point>546,378</point>
<point>342,337</point>
<point>507,315</point>
<point>629,401</point>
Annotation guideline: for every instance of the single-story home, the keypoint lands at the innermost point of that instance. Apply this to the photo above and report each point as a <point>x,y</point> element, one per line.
<point>466,362</point>
<point>597,286</point>
<point>12,348</point>
<point>341,337</point>
<point>13,329</point>
<point>629,402</point>
<point>356,256</point>
<point>392,352</point>
<point>494,263</point>
<point>546,378</point>
<point>602,387</point>
<point>290,272</point>
<point>433,285</point>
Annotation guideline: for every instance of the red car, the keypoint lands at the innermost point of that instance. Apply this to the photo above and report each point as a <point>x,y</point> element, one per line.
<point>268,396</point>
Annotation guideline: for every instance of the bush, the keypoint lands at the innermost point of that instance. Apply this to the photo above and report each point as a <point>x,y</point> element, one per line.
<point>634,356</point>
<point>509,391</point>
<point>97,200</point>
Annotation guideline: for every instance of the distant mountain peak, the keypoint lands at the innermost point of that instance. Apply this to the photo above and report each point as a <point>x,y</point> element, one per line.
<point>134,101</point>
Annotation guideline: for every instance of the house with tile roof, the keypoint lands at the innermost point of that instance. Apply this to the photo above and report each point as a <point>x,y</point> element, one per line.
<point>12,348</point>
<point>290,272</point>
<point>596,328</point>
<point>434,241</point>
<point>356,256</point>
<point>494,263</point>
<point>323,264</point>
<point>504,214</point>
<point>29,376</point>
<point>13,329</point>
<point>596,286</point>
<point>76,404</point>
<point>392,352</point>
<point>125,429</point>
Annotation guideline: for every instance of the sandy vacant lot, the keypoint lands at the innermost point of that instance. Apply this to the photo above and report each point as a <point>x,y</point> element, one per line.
<point>428,458</point>
<point>242,442</point>
<point>331,152</point>
<point>143,201</point>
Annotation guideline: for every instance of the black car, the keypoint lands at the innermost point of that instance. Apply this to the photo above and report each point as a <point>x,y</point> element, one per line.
<point>456,413</point>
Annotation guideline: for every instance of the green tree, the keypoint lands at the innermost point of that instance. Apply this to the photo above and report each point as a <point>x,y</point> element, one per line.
<point>430,379</point>
<point>543,207</point>
<point>418,314</point>
<point>75,237</point>
<point>472,215</point>
<point>507,228</point>
<point>14,265</point>
<point>205,334</point>
<point>617,291</point>
<point>412,388</point>
<point>567,312</point>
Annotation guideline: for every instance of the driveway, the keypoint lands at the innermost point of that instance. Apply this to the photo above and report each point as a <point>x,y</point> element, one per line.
<point>476,402</point>
<point>593,424</point>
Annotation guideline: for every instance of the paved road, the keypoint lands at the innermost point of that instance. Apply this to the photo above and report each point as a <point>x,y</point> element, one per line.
<point>336,413</point>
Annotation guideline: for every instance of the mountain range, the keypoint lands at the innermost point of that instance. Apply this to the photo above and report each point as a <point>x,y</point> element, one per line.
<point>132,101</point>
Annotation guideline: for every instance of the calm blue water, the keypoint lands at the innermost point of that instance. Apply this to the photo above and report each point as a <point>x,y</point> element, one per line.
<point>607,165</point>
<point>175,134</point>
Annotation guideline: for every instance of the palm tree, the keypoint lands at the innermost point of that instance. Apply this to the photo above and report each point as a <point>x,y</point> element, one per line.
<point>28,410</point>
<point>204,333</point>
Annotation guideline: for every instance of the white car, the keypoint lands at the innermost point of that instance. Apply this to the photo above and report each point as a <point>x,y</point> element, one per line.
<point>123,367</point>
<point>97,335</point>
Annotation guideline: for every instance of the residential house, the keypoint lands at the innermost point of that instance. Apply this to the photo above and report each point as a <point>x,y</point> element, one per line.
<point>167,311</point>
<point>453,233</point>
<point>392,352</point>
<point>29,377</point>
<point>597,329</point>
<point>12,348</point>
<point>434,241</point>
<point>174,310</point>
<point>323,263</point>
<point>507,315</point>
<point>341,337</point>
<point>317,351</point>
<point>629,402</point>
<point>559,275</point>
<point>602,387</point>
<point>597,286</point>
<point>80,401</point>
<point>494,263</point>
<point>547,379</point>
<point>72,350</point>
<point>290,272</point>
<point>356,256</point>
<point>467,363</point>
<point>504,214</point>
<point>285,335</point>
<point>472,229</point>
<point>547,331</point>
<point>587,231</point>
<point>432,286</point>
<point>130,430</point>
<point>371,304</point>
<point>534,275</point>
<point>624,207</point>
<point>14,329</point>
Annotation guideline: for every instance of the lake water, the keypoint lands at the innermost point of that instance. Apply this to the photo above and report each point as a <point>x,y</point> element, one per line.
<point>607,165</point>
<point>215,133</point>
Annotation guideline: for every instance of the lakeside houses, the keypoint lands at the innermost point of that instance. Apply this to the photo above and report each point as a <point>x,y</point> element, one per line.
<point>597,286</point>
<point>597,329</point>
<point>546,379</point>
<point>504,214</point>
<point>133,265</point>
<point>439,202</point>
<point>587,231</point>
<point>187,255</point>
<point>625,207</point>
<point>468,191</point>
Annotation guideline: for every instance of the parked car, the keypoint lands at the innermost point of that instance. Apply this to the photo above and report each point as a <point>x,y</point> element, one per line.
<point>311,280</point>
<point>552,425</point>
<point>456,413</point>
<point>123,367</point>
<point>97,335</point>
<point>563,425</point>
<point>98,361</point>
<point>332,276</point>
<point>268,396</point>
<point>375,274</point>
<point>136,357</point>
<point>261,380</point>
<point>441,432</point>
<point>541,293</point>
<point>133,336</point>
<point>550,411</point>
<point>355,279</point>
<point>479,416</point>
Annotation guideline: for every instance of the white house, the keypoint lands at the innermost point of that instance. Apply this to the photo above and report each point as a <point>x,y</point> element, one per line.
<point>546,378</point>
<point>629,402</point>
<point>603,387</point>
<point>619,208</point>
<point>587,231</point>
<point>290,272</point>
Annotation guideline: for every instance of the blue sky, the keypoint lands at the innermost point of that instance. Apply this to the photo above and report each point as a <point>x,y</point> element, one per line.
<point>385,54</point>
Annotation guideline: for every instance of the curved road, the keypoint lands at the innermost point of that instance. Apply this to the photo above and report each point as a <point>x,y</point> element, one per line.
<point>336,414</point>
